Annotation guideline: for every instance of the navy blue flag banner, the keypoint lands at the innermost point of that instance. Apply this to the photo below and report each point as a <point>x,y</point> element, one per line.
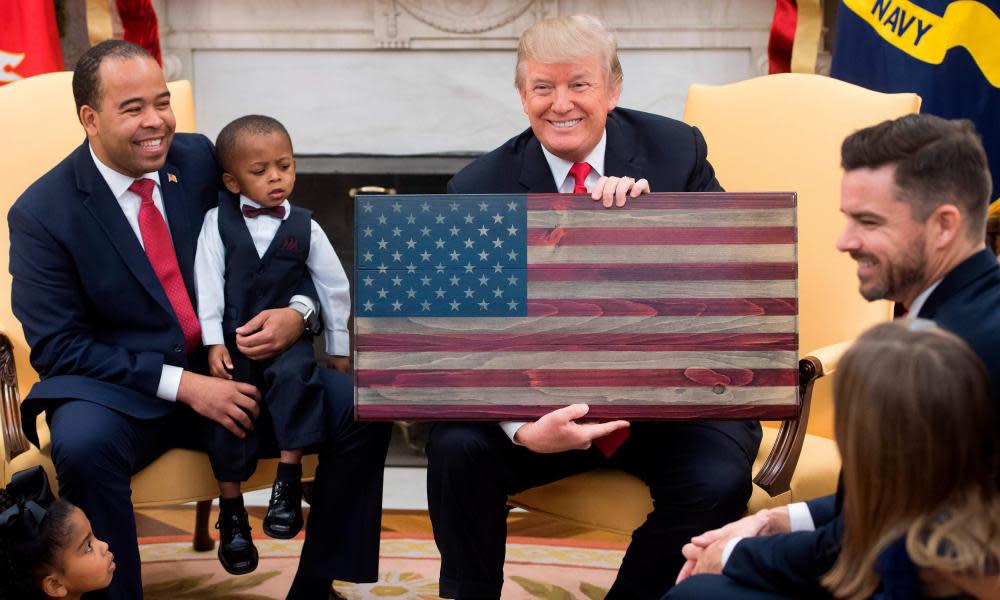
<point>948,52</point>
<point>507,306</point>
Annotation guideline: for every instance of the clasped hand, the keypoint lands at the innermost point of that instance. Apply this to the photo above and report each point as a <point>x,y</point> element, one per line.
<point>704,552</point>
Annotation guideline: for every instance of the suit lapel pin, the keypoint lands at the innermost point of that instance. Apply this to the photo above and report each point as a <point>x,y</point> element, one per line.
<point>171,178</point>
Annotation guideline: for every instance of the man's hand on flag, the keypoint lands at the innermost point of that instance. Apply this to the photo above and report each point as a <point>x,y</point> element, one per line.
<point>614,191</point>
<point>559,431</point>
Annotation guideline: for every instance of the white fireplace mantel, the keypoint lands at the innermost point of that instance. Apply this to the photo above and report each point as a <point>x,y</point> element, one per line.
<point>401,77</point>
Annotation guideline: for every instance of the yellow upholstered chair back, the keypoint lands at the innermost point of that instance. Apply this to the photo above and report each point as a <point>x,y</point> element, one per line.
<point>783,133</point>
<point>40,128</point>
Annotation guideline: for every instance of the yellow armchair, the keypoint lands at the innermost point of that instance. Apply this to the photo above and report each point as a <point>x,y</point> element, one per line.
<point>40,127</point>
<point>776,133</point>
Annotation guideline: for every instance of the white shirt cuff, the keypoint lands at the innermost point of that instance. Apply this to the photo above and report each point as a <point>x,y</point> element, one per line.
<point>338,343</point>
<point>799,518</point>
<point>728,550</point>
<point>305,300</point>
<point>510,428</point>
<point>211,333</point>
<point>170,381</point>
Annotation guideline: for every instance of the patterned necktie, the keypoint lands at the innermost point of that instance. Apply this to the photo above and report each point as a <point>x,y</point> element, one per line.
<point>277,212</point>
<point>579,171</point>
<point>160,251</point>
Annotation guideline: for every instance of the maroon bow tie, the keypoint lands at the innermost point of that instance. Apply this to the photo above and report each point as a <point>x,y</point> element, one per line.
<point>275,211</point>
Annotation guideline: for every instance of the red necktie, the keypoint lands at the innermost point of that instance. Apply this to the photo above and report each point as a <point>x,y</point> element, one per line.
<point>274,211</point>
<point>579,171</point>
<point>607,444</point>
<point>160,251</point>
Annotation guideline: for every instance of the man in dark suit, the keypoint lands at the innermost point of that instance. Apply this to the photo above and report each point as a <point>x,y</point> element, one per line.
<point>569,80</point>
<point>102,254</point>
<point>915,193</point>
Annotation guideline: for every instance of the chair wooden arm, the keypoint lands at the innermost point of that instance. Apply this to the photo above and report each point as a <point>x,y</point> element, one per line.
<point>775,476</point>
<point>14,442</point>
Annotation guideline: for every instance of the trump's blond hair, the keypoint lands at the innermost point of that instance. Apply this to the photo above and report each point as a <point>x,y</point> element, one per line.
<point>567,39</point>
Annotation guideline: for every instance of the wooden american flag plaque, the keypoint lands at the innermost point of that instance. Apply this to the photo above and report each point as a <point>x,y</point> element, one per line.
<point>678,306</point>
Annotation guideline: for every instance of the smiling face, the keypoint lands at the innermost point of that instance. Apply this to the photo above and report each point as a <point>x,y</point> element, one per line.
<point>132,125</point>
<point>86,564</point>
<point>568,103</point>
<point>262,168</point>
<point>889,245</point>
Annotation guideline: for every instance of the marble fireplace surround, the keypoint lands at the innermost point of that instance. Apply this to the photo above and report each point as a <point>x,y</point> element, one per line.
<point>431,77</point>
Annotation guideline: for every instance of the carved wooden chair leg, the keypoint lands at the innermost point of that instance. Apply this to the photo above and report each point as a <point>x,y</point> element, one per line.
<point>202,542</point>
<point>775,476</point>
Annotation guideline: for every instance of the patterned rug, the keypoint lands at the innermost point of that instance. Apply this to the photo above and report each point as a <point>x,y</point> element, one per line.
<point>408,570</point>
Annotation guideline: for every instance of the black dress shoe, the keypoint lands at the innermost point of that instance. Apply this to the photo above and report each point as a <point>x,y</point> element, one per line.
<point>237,553</point>
<point>284,512</point>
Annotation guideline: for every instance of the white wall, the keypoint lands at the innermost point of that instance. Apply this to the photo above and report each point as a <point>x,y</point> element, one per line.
<point>404,77</point>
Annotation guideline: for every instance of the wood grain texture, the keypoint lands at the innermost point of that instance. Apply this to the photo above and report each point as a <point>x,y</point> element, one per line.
<point>783,217</point>
<point>539,327</point>
<point>608,342</point>
<point>578,360</point>
<point>445,397</point>
<point>678,306</point>
<point>661,201</point>
<point>688,307</point>
<point>663,289</point>
<point>658,236</point>
<point>586,272</point>
<point>623,377</point>
<point>510,412</point>
<point>614,254</point>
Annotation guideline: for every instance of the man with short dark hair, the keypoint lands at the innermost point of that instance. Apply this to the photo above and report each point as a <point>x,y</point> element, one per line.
<point>569,80</point>
<point>915,193</point>
<point>102,252</point>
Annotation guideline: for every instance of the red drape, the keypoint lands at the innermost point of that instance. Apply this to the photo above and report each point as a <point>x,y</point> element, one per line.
<point>140,25</point>
<point>29,41</point>
<point>779,46</point>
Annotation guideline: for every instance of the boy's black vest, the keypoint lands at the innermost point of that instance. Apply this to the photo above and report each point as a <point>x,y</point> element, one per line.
<point>254,284</point>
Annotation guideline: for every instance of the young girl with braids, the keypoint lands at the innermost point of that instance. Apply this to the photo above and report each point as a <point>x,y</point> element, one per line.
<point>915,426</point>
<point>47,549</point>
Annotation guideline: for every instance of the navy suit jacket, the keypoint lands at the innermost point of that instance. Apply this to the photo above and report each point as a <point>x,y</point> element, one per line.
<point>966,303</point>
<point>98,322</point>
<point>667,153</point>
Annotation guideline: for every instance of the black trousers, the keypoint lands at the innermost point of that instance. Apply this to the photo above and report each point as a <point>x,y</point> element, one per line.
<point>345,520</point>
<point>698,475</point>
<point>96,451</point>
<point>291,412</point>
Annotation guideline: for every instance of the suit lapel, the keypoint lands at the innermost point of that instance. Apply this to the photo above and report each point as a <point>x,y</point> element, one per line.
<point>620,152</point>
<point>619,159</point>
<point>99,200</point>
<point>536,177</point>
<point>184,239</point>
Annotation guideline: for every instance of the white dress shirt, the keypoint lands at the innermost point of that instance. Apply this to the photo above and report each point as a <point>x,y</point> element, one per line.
<point>565,182</point>
<point>170,376</point>
<point>560,167</point>
<point>324,267</point>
